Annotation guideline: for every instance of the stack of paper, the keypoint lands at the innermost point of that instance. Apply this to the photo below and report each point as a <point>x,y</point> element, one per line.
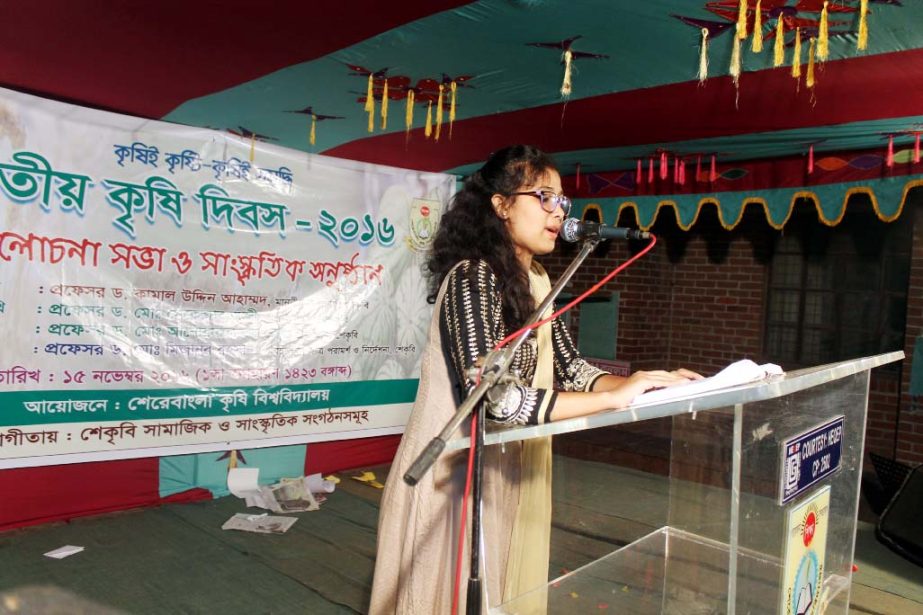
<point>735,374</point>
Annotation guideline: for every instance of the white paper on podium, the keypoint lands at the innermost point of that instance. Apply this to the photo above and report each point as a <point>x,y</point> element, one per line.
<point>741,372</point>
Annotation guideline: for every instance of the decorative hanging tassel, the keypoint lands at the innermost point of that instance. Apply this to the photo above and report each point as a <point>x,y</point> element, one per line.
<point>713,172</point>
<point>428,131</point>
<point>439,112</point>
<point>682,172</point>
<point>889,161</point>
<point>698,168</point>
<point>663,165</point>
<point>408,114</point>
<point>916,149</point>
<point>252,147</point>
<point>796,57</point>
<point>650,170</point>
<point>742,20</point>
<point>809,79</point>
<point>568,61</point>
<point>384,106</point>
<point>778,58</point>
<point>863,39</point>
<point>811,159</point>
<point>823,37</point>
<point>675,170</point>
<point>454,88</point>
<point>734,70</point>
<point>703,57</point>
<point>758,28</point>
<point>638,176</point>
<point>577,181</point>
<point>312,138</point>
<point>370,103</point>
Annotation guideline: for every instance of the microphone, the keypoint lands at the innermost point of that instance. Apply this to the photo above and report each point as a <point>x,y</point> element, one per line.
<point>575,230</point>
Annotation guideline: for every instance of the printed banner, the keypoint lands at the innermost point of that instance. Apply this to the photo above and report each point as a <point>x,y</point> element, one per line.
<point>166,289</point>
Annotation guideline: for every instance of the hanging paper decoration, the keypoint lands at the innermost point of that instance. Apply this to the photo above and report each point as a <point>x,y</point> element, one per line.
<point>428,130</point>
<point>742,20</point>
<point>734,69</point>
<point>663,165</point>
<point>823,37</point>
<point>713,172</point>
<point>703,57</point>
<point>408,114</point>
<point>454,88</point>
<point>312,137</point>
<point>809,79</point>
<point>370,102</point>
<point>862,40</point>
<point>568,61</point>
<point>439,112</point>
<point>889,161</point>
<point>778,57</point>
<point>638,176</point>
<point>811,159</point>
<point>758,28</point>
<point>384,106</point>
<point>916,148</point>
<point>796,57</point>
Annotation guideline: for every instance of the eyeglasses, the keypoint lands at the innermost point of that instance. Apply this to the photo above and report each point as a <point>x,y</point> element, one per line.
<point>549,200</point>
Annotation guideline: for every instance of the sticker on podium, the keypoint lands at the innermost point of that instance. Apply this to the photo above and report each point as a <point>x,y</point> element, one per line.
<point>810,457</point>
<point>805,550</point>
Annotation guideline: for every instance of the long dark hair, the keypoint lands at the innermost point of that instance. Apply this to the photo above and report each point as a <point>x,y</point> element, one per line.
<point>471,229</point>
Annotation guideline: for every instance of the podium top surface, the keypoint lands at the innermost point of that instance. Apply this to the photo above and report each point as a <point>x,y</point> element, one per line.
<point>777,386</point>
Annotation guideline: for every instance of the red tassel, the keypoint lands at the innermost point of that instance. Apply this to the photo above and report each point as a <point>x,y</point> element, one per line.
<point>638,174</point>
<point>916,149</point>
<point>810,160</point>
<point>663,165</point>
<point>713,174</point>
<point>682,172</point>
<point>578,176</point>
<point>675,169</point>
<point>650,170</point>
<point>698,168</point>
<point>889,161</point>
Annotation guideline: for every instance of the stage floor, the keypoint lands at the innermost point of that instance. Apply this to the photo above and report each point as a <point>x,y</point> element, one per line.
<point>177,559</point>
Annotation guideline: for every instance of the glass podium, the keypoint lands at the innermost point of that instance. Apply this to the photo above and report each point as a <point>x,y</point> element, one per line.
<point>750,506</point>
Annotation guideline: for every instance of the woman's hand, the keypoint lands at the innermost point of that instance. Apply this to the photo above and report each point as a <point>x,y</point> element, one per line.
<point>642,381</point>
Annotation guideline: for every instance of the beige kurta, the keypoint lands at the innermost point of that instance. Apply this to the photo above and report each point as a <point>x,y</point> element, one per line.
<point>418,526</point>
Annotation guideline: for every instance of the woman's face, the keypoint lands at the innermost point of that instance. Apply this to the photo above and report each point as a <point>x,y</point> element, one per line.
<point>532,229</point>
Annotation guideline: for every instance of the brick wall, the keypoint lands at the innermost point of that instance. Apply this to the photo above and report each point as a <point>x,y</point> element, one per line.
<point>698,300</point>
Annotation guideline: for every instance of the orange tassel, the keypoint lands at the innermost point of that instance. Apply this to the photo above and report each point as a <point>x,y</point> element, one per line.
<point>810,159</point>
<point>454,87</point>
<point>916,149</point>
<point>809,79</point>
<point>370,103</point>
<point>796,57</point>
<point>823,37</point>
<point>408,114</point>
<point>384,106</point>
<point>862,42</point>
<point>889,161</point>
<point>778,57</point>
<point>742,20</point>
<point>428,131</point>
<point>439,112</point>
<point>758,28</point>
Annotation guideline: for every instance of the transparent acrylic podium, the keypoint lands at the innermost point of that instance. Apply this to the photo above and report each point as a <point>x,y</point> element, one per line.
<point>704,530</point>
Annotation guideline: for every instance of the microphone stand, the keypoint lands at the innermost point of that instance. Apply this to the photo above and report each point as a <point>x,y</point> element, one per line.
<point>496,368</point>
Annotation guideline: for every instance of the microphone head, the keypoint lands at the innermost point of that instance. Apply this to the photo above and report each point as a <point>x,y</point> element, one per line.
<point>570,230</point>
